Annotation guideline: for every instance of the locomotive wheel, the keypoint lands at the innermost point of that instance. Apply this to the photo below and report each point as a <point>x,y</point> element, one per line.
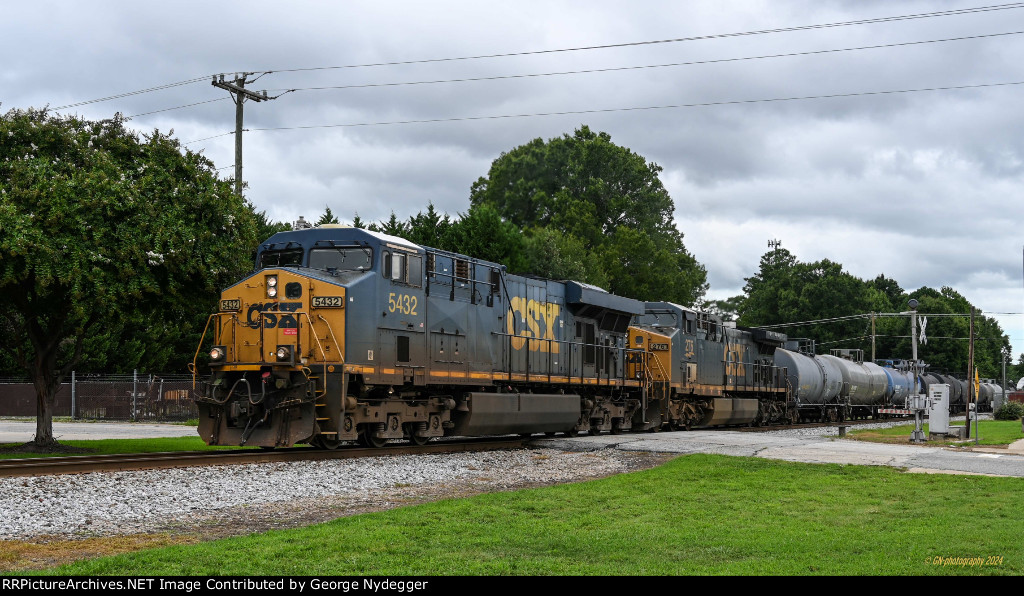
<point>367,439</point>
<point>594,431</point>
<point>410,433</point>
<point>572,432</point>
<point>323,442</point>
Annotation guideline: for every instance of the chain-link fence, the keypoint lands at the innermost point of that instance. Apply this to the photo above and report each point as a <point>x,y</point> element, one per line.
<point>137,397</point>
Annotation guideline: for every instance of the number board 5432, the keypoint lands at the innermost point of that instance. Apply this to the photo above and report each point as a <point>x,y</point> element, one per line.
<point>328,302</point>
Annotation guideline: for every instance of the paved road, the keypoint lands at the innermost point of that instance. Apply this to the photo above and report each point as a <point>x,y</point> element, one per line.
<point>999,462</point>
<point>22,432</point>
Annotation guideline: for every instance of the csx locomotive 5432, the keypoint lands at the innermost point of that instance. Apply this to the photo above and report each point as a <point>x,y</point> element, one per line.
<point>343,334</point>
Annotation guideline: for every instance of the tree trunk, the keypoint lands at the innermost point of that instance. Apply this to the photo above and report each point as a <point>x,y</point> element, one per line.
<point>46,399</point>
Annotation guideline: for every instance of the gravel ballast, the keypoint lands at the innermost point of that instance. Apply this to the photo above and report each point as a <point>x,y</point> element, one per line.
<point>228,500</point>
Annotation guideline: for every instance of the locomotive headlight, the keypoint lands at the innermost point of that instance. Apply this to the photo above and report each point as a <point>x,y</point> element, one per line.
<point>217,353</point>
<point>271,286</point>
<point>271,291</point>
<point>284,353</point>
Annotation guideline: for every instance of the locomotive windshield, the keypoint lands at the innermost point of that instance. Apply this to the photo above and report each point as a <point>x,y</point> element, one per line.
<point>280,258</point>
<point>341,259</point>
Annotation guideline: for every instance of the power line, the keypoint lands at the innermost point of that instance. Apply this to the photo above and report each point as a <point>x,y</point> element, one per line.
<point>944,13</point>
<point>641,108</point>
<point>198,103</point>
<point>814,322</point>
<point>877,314</point>
<point>130,93</point>
<point>597,70</point>
<point>213,137</point>
<point>644,67</point>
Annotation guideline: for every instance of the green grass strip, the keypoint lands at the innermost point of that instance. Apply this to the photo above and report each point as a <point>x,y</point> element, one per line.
<point>115,446</point>
<point>990,432</point>
<point>699,514</point>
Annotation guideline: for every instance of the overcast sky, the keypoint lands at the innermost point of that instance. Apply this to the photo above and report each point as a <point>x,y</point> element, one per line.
<point>922,186</point>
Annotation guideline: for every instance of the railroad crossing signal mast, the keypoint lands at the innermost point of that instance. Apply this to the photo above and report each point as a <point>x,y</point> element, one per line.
<point>239,94</point>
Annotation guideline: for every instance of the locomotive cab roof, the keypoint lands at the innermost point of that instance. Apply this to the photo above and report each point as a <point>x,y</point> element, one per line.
<point>334,249</point>
<point>324,236</point>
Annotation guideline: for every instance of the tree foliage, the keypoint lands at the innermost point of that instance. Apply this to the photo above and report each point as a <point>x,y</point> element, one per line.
<point>608,200</point>
<point>948,347</point>
<point>785,290</point>
<point>113,247</point>
<point>326,217</point>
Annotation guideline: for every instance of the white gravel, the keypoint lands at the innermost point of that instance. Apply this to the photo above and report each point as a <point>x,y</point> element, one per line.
<point>109,503</point>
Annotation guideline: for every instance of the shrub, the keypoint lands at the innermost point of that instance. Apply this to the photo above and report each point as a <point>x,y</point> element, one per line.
<point>1011,410</point>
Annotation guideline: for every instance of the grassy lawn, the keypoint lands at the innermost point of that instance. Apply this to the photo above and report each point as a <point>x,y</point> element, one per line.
<point>112,446</point>
<point>991,432</point>
<point>699,514</point>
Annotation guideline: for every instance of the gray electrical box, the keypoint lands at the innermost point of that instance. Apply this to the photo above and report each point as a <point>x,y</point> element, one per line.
<point>938,413</point>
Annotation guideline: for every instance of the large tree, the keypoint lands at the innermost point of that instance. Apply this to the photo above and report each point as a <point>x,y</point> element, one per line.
<point>113,247</point>
<point>785,290</point>
<point>609,199</point>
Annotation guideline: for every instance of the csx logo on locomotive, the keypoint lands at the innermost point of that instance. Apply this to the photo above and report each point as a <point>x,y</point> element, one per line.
<point>531,312</point>
<point>271,320</point>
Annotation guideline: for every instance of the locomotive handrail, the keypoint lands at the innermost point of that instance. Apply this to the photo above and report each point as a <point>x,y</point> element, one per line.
<point>322,352</point>
<point>330,330</point>
<point>568,344</point>
<point>192,365</point>
<point>661,368</point>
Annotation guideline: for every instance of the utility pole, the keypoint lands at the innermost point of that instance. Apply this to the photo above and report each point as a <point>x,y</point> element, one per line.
<point>239,94</point>
<point>1005,353</point>
<point>971,397</point>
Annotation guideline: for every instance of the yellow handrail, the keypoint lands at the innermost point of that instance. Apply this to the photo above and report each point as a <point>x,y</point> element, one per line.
<point>322,352</point>
<point>192,365</point>
<point>341,353</point>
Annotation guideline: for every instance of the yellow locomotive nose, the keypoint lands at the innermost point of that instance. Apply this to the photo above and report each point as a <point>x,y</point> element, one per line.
<point>274,338</point>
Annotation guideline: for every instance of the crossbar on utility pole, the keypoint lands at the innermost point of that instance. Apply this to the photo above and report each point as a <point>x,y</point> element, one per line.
<point>239,94</point>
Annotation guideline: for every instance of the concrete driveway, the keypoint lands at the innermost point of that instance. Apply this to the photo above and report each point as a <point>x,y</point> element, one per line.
<point>989,461</point>
<point>24,431</point>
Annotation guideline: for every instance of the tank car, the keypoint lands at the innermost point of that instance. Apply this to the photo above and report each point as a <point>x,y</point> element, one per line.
<point>815,384</point>
<point>986,394</point>
<point>840,385</point>
<point>344,334</point>
<point>900,384</point>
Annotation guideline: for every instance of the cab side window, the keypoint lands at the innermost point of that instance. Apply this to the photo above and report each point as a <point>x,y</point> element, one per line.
<point>403,268</point>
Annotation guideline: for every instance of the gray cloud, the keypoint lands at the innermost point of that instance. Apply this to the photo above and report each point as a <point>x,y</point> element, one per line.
<point>923,187</point>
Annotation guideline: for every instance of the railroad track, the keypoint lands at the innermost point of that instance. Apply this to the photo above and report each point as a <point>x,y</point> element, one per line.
<point>81,464</point>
